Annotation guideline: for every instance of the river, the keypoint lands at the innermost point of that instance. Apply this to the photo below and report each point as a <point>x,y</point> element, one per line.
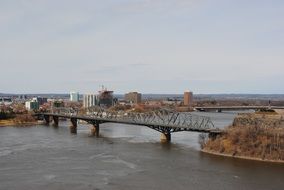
<point>124,157</point>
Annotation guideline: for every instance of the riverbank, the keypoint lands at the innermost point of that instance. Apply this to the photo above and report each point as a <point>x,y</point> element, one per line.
<point>20,120</point>
<point>241,157</point>
<point>252,136</point>
<point>12,122</point>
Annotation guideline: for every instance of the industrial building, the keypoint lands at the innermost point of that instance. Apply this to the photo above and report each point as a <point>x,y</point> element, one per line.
<point>90,100</point>
<point>105,98</point>
<point>188,99</point>
<point>133,97</point>
<point>74,96</point>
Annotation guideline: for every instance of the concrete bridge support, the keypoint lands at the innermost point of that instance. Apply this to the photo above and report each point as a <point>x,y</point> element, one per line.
<point>96,129</point>
<point>55,121</point>
<point>73,127</point>
<point>166,137</point>
<point>47,119</point>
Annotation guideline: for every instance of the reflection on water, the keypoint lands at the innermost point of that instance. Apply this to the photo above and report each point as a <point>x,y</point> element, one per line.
<point>124,157</point>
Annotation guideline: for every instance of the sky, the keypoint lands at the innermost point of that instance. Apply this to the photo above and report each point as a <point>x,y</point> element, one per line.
<point>149,46</point>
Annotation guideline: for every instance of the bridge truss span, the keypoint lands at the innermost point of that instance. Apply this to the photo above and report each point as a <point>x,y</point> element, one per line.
<point>164,121</point>
<point>169,121</point>
<point>161,120</point>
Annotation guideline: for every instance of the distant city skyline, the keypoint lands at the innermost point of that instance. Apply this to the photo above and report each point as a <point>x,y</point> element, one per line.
<point>148,46</point>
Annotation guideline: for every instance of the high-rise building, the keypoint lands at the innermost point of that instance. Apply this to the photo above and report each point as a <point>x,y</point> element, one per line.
<point>74,96</point>
<point>133,97</point>
<point>90,100</point>
<point>188,98</point>
<point>32,105</point>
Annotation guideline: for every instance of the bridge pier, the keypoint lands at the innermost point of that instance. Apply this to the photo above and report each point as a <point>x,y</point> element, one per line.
<point>165,137</point>
<point>47,119</point>
<point>95,129</point>
<point>73,127</point>
<point>55,121</point>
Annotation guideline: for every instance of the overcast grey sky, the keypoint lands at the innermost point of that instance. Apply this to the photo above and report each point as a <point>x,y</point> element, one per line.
<point>151,46</point>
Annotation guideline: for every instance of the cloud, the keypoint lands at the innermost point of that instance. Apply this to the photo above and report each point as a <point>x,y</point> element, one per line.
<point>140,6</point>
<point>148,44</point>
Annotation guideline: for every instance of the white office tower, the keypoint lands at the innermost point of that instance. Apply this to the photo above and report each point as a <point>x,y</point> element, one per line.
<point>89,100</point>
<point>74,96</point>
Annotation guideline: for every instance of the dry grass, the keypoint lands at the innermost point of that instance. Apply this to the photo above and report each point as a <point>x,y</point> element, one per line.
<point>251,135</point>
<point>250,141</point>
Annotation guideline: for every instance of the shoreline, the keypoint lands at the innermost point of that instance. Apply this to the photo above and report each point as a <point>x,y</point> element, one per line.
<point>241,157</point>
<point>12,123</point>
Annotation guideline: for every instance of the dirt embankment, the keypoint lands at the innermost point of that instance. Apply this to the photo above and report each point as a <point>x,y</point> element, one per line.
<point>252,136</point>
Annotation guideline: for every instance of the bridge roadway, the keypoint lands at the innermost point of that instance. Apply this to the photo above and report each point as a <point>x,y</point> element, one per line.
<point>228,108</point>
<point>165,123</point>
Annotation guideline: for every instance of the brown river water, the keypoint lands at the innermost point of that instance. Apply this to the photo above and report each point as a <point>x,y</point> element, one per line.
<point>124,157</point>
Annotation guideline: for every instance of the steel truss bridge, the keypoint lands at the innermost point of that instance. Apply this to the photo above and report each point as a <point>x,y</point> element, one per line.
<point>164,121</point>
<point>233,108</point>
